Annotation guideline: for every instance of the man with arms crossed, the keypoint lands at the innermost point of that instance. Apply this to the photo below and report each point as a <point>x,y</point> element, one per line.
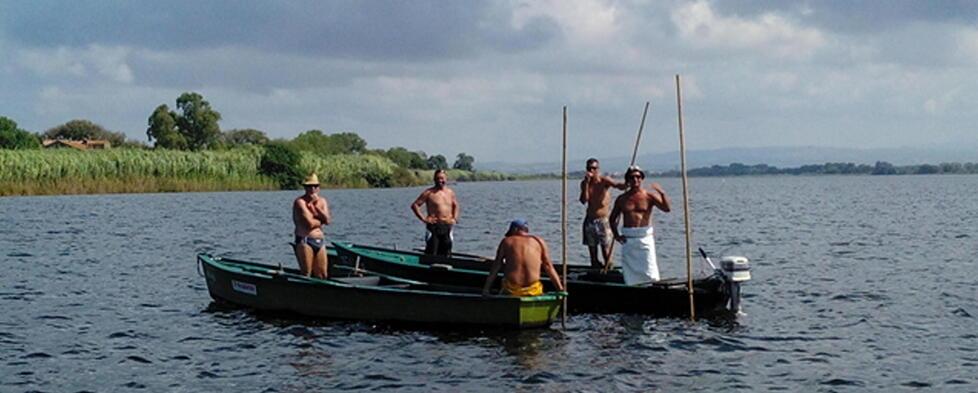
<point>442,209</point>
<point>522,256</point>
<point>310,212</point>
<point>596,230</point>
<point>638,264</point>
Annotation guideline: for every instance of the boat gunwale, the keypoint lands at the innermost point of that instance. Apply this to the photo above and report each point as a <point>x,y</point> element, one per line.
<point>223,264</point>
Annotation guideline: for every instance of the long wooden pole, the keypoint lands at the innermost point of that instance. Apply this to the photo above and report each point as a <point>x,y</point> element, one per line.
<point>563,222</point>
<point>682,160</point>
<point>638,139</point>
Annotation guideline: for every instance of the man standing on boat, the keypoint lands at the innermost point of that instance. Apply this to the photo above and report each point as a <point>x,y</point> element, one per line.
<point>639,264</point>
<point>310,212</point>
<point>522,256</point>
<point>442,208</point>
<point>595,193</point>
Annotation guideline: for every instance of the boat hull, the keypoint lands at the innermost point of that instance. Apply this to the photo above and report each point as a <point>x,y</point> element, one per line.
<point>589,290</point>
<point>264,287</point>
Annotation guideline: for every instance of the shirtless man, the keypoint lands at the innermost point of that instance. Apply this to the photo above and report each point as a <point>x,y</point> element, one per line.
<point>442,209</point>
<point>310,212</point>
<point>522,256</point>
<point>596,230</point>
<point>638,264</point>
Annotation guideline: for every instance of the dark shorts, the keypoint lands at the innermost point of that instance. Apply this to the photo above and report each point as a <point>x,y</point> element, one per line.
<point>314,243</point>
<point>597,231</point>
<point>438,240</point>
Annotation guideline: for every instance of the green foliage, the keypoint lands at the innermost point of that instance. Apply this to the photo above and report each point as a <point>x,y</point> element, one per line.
<point>12,137</point>
<point>80,129</point>
<point>463,162</point>
<point>316,141</point>
<point>281,162</point>
<point>350,170</point>
<point>247,136</point>
<point>163,128</point>
<point>197,121</point>
<point>194,125</point>
<point>437,162</point>
<point>407,159</point>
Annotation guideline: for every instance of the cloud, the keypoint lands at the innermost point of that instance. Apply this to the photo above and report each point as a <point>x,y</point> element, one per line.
<point>768,34</point>
<point>94,61</point>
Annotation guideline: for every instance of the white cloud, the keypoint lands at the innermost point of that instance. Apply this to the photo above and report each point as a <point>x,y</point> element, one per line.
<point>768,34</point>
<point>94,61</point>
<point>584,21</point>
<point>967,45</point>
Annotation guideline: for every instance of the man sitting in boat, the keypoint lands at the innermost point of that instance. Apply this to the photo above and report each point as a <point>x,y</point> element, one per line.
<point>634,207</point>
<point>442,209</point>
<point>310,212</point>
<point>597,231</point>
<point>523,255</point>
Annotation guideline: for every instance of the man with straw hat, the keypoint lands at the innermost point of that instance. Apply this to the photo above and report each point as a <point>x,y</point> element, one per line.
<point>310,212</point>
<point>522,256</point>
<point>634,207</point>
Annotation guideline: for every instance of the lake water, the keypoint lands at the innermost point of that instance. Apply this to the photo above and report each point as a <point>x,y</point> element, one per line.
<point>860,283</point>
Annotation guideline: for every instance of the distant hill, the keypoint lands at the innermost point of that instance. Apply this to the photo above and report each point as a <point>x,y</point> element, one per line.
<point>776,156</point>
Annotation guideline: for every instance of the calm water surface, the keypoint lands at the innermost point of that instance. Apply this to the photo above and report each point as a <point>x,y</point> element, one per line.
<point>860,284</point>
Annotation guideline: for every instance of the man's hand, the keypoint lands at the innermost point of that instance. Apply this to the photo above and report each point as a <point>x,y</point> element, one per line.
<point>430,220</point>
<point>620,239</point>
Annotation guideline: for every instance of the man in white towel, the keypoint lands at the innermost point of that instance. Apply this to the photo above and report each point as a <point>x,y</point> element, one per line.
<point>634,207</point>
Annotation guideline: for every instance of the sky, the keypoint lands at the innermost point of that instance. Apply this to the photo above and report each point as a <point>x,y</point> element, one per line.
<point>490,78</point>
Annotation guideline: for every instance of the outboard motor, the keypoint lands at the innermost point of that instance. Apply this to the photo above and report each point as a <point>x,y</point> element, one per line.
<point>737,270</point>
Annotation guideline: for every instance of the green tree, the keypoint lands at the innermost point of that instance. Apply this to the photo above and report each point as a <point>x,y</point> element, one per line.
<point>437,161</point>
<point>247,136</point>
<point>318,142</point>
<point>12,137</point>
<point>197,121</point>
<point>80,129</point>
<point>280,161</point>
<point>407,159</point>
<point>163,128</point>
<point>464,162</point>
<point>884,168</point>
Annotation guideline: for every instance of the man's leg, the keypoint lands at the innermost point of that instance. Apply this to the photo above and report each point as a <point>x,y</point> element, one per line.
<point>303,254</point>
<point>319,264</point>
<point>593,250</point>
<point>431,243</point>
<point>445,243</point>
<point>607,250</point>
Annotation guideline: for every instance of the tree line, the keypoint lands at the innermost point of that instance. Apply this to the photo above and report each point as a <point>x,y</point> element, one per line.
<point>832,168</point>
<point>193,125</point>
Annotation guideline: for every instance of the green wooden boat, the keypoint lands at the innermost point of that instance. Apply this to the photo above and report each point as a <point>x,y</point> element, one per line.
<point>373,297</point>
<point>592,291</point>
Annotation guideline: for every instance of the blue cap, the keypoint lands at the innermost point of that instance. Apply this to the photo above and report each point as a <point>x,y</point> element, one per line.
<point>518,223</point>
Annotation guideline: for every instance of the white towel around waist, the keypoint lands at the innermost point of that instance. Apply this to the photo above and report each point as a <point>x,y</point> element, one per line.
<point>639,265</point>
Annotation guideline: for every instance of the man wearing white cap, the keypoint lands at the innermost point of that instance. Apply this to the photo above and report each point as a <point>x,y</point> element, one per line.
<point>310,212</point>
<point>639,265</point>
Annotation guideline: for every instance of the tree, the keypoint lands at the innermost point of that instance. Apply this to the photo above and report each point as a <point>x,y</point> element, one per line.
<point>280,161</point>
<point>320,143</point>
<point>407,159</point>
<point>197,121</point>
<point>163,128</point>
<point>463,162</point>
<point>246,136</point>
<point>80,129</point>
<point>12,137</point>
<point>884,168</point>
<point>437,162</point>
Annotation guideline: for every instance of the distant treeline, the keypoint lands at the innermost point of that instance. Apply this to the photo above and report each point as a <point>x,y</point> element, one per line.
<point>832,168</point>
<point>191,153</point>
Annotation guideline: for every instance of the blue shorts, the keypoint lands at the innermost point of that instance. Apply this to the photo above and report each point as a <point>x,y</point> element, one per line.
<point>314,243</point>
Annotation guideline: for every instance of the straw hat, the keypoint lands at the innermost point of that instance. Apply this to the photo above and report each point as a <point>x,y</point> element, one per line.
<point>311,180</point>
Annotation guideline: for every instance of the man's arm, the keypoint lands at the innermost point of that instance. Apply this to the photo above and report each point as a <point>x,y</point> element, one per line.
<point>585,191</point>
<point>322,211</point>
<point>416,206</point>
<point>613,220</point>
<point>307,216</point>
<point>494,269</point>
<point>455,209</point>
<point>549,266</point>
<point>609,182</point>
<point>660,199</point>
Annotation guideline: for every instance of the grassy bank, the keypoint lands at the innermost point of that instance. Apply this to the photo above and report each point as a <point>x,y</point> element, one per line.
<point>68,171</point>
